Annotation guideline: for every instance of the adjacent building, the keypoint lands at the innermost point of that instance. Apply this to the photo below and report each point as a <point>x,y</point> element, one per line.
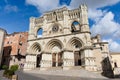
<point>2,36</point>
<point>15,46</point>
<point>115,56</point>
<point>65,43</point>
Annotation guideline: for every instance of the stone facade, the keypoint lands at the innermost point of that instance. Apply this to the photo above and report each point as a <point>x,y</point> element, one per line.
<point>66,41</point>
<point>15,46</point>
<point>115,63</point>
<point>2,36</point>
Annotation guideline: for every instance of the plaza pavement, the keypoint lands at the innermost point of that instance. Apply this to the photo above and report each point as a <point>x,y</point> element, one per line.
<point>59,75</point>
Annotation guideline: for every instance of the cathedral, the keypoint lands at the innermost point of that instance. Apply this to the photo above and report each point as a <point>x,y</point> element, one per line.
<point>66,42</point>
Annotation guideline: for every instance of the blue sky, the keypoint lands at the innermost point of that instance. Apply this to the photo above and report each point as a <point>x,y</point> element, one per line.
<point>104,16</point>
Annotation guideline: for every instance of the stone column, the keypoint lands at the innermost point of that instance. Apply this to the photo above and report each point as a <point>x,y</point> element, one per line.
<point>56,59</point>
<point>88,58</point>
<point>30,62</point>
<point>68,60</point>
<point>46,61</point>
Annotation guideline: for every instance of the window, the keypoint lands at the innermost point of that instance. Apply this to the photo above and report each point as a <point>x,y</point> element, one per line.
<point>19,51</point>
<point>20,43</point>
<point>39,33</point>
<point>101,48</point>
<point>20,35</point>
<point>75,26</point>
<point>8,42</point>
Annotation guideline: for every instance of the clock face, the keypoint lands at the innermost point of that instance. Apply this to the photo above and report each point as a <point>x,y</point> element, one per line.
<point>55,28</point>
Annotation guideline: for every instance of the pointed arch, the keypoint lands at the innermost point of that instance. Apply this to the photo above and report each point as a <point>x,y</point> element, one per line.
<point>74,43</point>
<point>75,26</point>
<point>54,45</point>
<point>35,48</point>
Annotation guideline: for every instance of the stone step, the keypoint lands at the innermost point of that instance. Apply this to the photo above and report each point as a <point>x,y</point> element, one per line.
<point>55,68</point>
<point>76,67</point>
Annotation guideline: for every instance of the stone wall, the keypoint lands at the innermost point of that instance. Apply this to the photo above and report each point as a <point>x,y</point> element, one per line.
<point>15,46</point>
<point>2,36</point>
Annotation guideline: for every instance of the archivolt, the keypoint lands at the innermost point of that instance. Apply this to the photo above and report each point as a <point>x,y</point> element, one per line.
<point>54,43</point>
<point>35,48</point>
<point>74,43</point>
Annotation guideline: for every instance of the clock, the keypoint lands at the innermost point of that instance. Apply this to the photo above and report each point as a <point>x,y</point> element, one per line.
<point>55,28</point>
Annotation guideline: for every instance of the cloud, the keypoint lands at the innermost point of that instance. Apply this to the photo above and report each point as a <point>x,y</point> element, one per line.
<point>113,45</point>
<point>94,11</point>
<point>94,4</point>
<point>106,26</point>
<point>96,15</point>
<point>43,5</point>
<point>10,8</point>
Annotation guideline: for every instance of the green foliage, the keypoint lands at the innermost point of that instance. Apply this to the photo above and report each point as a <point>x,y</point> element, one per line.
<point>14,68</point>
<point>4,67</point>
<point>10,72</point>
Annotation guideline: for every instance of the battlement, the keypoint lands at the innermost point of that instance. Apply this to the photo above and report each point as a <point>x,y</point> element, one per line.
<point>59,14</point>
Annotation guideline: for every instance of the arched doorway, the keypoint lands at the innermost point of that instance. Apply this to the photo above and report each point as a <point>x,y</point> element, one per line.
<point>57,59</point>
<point>55,48</point>
<point>39,57</point>
<point>35,50</point>
<point>75,45</point>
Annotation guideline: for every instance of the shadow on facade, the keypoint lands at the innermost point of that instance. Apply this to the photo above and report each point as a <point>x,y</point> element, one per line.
<point>19,57</point>
<point>107,68</point>
<point>6,56</point>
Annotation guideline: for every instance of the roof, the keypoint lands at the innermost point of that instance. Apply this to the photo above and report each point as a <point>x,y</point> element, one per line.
<point>3,30</point>
<point>115,53</point>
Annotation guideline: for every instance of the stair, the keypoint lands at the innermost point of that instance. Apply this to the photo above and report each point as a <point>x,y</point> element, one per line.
<point>76,68</point>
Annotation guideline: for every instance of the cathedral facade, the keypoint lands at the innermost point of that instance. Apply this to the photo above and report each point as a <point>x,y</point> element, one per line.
<point>65,43</point>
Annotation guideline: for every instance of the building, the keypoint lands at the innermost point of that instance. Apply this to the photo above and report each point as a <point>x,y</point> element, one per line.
<point>15,46</point>
<point>65,43</point>
<point>115,56</point>
<point>2,36</point>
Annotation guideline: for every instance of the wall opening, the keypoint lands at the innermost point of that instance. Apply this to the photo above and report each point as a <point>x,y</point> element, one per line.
<point>39,57</point>
<point>75,26</point>
<point>77,57</point>
<point>39,33</point>
<point>115,64</point>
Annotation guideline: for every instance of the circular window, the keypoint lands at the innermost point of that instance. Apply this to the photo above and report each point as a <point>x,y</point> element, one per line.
<point>55,28</point>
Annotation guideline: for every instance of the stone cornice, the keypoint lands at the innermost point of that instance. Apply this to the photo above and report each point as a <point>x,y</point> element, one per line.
<point>101,43</point>
<point>59,36</point>
<point>87,47</point>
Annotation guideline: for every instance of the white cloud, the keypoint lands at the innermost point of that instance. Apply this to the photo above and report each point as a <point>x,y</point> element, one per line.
<point>106,26</point>
<point>96,15</point>
<point>44,5</point>
<point>94,11</point>
<point>117,34</point>
<point>93,4</point>
<point>113,45</point>
<point>10,8</point>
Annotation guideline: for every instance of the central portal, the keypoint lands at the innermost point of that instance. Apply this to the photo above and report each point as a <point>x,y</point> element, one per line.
<point>57,59</point>
<point>77,57</point>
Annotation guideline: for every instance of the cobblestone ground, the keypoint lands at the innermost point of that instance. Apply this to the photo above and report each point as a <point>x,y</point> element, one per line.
<point>56,75</point>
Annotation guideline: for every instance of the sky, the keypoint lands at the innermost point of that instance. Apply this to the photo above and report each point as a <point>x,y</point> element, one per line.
<point>104,16</point>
